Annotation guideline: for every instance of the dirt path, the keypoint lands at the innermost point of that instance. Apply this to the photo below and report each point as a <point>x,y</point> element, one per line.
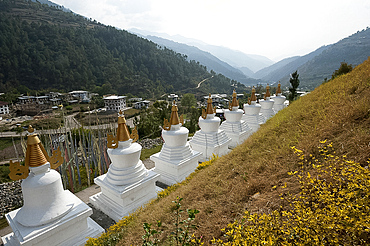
<point>203,81</point>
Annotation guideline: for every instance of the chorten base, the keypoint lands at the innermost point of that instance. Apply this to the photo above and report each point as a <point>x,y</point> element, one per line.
<point>261,119</point>
<point>278,107</point>
<point>267,113</point>
<point>72,229</point>
<point>254,121</point>
<point>119,201</point>
<point>210,143</point>
<point>237,131</point>
<point>174,164</point>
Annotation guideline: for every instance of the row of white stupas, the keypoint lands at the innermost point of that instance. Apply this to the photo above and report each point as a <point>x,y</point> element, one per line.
<point>53,216</point>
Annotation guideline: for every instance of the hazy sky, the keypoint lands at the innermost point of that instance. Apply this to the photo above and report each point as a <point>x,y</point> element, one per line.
<point>272,28</point>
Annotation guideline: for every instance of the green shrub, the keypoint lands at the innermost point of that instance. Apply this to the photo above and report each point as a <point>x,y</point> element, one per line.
<point>333,208</point>
<point>69,107</point>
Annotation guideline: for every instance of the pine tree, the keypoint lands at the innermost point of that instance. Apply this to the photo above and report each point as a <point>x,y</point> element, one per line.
<point>294,81</point>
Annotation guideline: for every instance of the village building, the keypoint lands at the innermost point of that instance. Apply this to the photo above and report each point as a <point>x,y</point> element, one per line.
<point>4,108</point>
<point>54,98</point>
<point>115,103</point>
<point>142,104</point>
<point>26,99</point>
<point>42,99</point>
<point>81,96</point>
<point>135,99</point>
<point>171,97</point>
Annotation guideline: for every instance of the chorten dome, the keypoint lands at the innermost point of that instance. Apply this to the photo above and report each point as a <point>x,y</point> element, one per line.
<point>235,128</point>
<point>128,184</point>
<point>173,133</point>
<point>176,160</point>
<point>210,139</point>
<point>233,114</point>
<point>44,198</point>
<point>252,115</point>
<point>279,100</point>
<point>130,169</point>
<point>266,104</point>
<point>208,122</point>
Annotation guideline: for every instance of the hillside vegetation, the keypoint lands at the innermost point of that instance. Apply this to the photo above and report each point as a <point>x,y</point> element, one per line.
<point>42,47</point>
<point>251,176</point>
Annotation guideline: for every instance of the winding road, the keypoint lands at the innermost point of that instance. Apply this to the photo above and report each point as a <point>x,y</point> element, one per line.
<point>203,81</point>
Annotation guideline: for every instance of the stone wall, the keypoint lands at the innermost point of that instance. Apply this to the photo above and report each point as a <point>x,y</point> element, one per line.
<point>10,197</point>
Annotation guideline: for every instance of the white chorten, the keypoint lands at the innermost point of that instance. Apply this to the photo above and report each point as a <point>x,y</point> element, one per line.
<point>176,160</point>
<point>128,184</point>
<point>279,100</point>
<point>234,127</point>
<point>267,104</point>
<point>252,115</point>
<point>50,215</point>
<point>210,139</point>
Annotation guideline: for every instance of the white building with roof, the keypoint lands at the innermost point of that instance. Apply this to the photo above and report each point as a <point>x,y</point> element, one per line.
<point>4,108</point>
<point>115,103</point>
<point>172,97</point>
<point>142,104</point>
<point>81,95</point>
<point>26,99</point>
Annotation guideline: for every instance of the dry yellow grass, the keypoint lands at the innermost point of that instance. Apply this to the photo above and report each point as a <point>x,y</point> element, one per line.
<point>338,111</point>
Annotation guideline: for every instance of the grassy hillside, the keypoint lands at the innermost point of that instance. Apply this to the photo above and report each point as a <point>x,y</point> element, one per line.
<point>245,179</point>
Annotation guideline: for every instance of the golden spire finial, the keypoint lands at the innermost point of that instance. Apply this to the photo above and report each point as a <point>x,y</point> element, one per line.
<point>235,102</point>
<point>253,96</point>
<point>210,109</point>
<point>174,120</point>
<point>36,154</point>
<point>278,91</point>
<point>122,131</point>
<point>267,94</point>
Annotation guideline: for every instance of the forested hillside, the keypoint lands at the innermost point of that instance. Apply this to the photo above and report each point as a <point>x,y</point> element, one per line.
<point>277,72</point>
<point>42,47</point>
<point>313,68</point>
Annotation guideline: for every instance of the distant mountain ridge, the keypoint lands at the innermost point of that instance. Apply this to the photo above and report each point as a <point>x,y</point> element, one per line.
<point>354,50</point>
<point>313,67</point>
<point>264,72</point>
<point>280,70</point>
<point>205,58</point>
<point>234,58</point>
